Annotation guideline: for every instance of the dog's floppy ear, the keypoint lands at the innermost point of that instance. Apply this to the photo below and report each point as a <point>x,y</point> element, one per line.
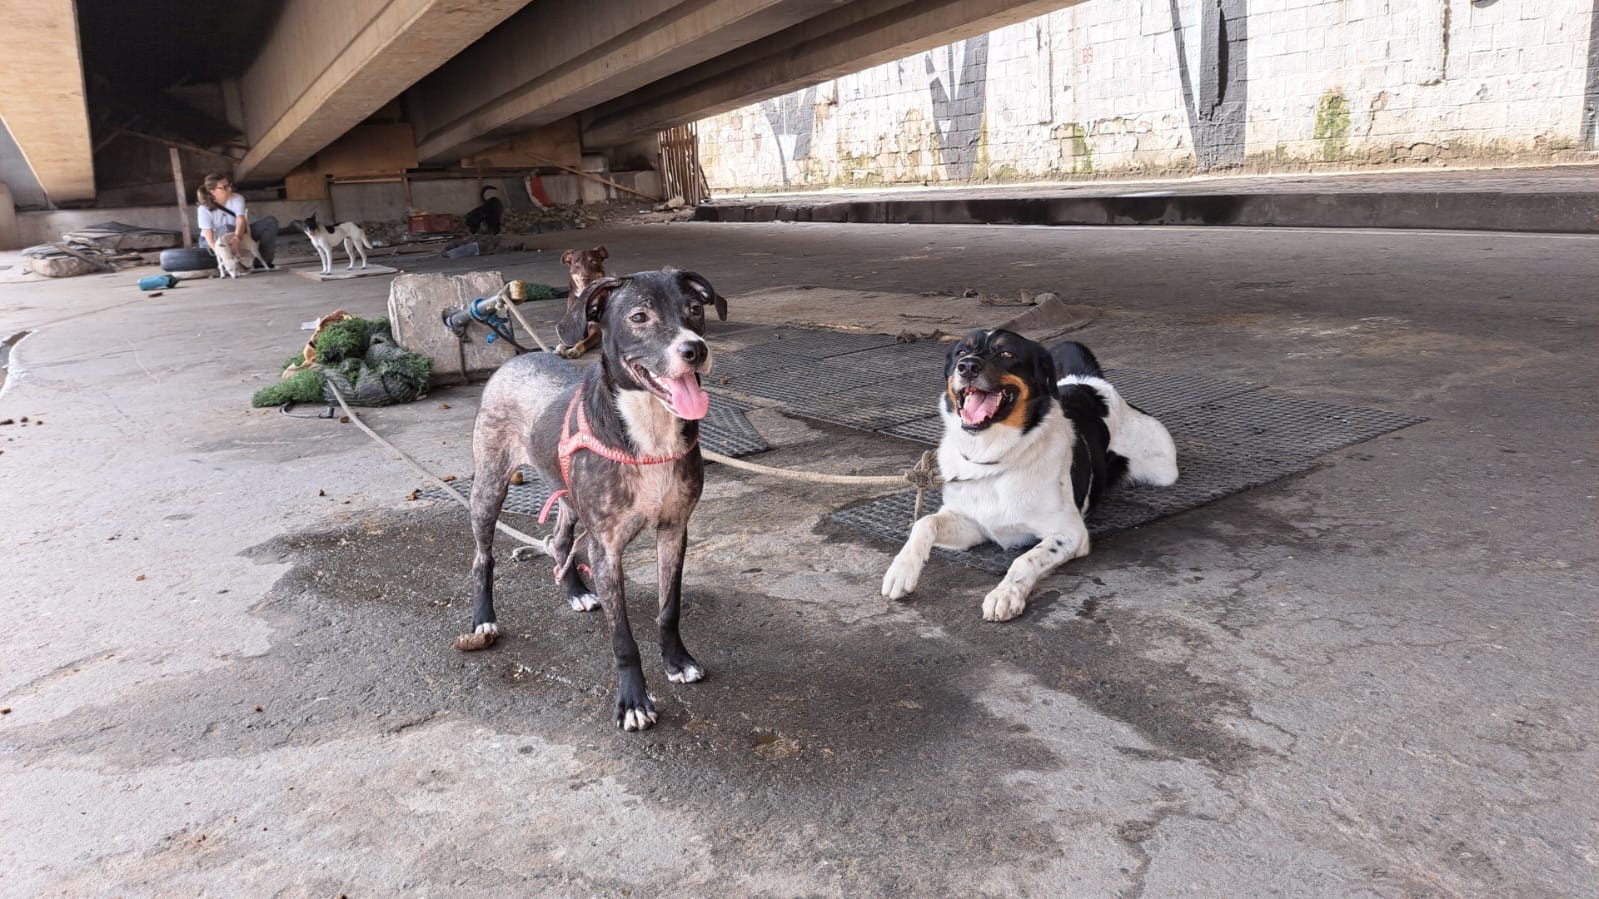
<point>585,307</point>
<point>601,253</point>
<point>1043,372</point>
<point>568,256</point>
<point>699,285</point>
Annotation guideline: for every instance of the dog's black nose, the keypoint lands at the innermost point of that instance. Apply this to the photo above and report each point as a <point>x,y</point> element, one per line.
<point>692,351</point>
<point>969,366</point>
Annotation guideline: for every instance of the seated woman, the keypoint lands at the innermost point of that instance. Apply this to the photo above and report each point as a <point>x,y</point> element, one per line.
<point>223,216</point>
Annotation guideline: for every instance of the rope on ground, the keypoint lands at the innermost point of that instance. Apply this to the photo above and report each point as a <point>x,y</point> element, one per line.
<point>920,475</point>
<point>505,301</point>
<point>541,545</point>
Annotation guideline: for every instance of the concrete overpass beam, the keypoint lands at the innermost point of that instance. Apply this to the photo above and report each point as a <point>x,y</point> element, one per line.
<point>555,59</point>
<point>853,38</point>
<point>43,102</point>
<point>326,67</point>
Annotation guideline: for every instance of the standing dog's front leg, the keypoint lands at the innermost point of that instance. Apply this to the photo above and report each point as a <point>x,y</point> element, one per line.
<point>1009,599</point>
<point>634,709</point>
<point>942,528</point>
<point>564,546</point>
<point>671,542</point>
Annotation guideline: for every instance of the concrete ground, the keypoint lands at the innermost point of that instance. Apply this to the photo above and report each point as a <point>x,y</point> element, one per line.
<point>227,656</point>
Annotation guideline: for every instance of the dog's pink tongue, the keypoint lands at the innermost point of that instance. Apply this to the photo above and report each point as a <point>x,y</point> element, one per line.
<point>979,406</point>
<point>688,400</point>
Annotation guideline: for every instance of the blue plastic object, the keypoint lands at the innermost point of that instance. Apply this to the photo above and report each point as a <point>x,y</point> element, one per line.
<point>157,282</point>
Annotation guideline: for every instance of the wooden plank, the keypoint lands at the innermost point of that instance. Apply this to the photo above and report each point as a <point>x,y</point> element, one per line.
<point>183,207</point>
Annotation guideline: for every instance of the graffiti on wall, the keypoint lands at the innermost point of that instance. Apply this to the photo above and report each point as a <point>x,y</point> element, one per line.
<point>1216,116</point>
<point>1590,98</point>
<point>793,120</point>
<point>958,107</point>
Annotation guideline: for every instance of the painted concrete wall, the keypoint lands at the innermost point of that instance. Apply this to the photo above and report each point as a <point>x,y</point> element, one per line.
<point>1149,87</point>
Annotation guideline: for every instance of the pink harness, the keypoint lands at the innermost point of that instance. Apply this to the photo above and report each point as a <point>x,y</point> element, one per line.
<point>583,439</point>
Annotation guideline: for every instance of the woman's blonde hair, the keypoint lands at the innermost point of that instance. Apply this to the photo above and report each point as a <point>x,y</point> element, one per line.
<point>202,194</point>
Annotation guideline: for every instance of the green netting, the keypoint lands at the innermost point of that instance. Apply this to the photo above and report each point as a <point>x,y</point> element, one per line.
<point>360,358</point>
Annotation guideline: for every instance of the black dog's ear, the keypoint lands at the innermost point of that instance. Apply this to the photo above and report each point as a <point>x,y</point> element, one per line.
<point>585,307</point>
<point>601,253</point>
<point>1043,372</point>
<point>697,283</point>
<point>567,257</point>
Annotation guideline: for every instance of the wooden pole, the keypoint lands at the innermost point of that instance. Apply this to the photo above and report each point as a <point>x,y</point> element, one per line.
<point>183,208</point>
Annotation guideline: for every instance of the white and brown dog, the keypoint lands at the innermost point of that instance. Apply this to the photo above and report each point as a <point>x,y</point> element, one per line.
<point>1032,439</point>
<point>235,254</point>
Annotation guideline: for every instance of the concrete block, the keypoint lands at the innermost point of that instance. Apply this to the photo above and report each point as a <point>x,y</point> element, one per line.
<point>10,233</point>
<point>416,306</point>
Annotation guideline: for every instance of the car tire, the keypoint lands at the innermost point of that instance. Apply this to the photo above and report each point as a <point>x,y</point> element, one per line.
<point>187,259</point>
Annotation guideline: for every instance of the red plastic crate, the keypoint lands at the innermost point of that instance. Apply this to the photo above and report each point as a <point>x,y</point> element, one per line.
<point>431,223</point>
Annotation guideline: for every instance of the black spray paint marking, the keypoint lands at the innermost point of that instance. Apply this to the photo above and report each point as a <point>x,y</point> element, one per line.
<point>1216,121</point>
<point>793,120</point>
<point>1590,97</point>
<point>958,115</point>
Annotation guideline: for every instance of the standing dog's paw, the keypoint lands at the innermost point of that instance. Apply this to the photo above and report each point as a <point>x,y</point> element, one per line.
<point>686,671</point>
<point>1004,602</point>
<point>635,715</point>
<point>482,637</point>
<point>901,577</point>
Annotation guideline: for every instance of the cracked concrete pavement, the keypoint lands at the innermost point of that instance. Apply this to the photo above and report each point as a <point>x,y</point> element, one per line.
<point>227,655</point>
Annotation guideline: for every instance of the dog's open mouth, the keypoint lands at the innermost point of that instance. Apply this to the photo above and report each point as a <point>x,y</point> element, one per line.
<point>681,394</point>
<point>981,408</point>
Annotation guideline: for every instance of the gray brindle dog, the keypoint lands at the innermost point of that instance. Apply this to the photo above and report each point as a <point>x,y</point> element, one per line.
<point>622,439</point>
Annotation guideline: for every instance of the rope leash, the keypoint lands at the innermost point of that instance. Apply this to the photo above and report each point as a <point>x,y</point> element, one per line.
<point>922,476</point>
<point>532,542</point>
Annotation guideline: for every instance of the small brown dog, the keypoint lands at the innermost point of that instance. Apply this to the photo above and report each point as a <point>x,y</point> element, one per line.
<point>584,267</point>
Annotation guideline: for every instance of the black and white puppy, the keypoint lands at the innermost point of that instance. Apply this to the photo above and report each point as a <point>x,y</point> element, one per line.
<point>621,438</point>
<point>1032,439</point>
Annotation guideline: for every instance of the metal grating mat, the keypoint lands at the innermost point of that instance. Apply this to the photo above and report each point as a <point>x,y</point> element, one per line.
<point>1217,456</point>
<point>811,343</point>
<point>726,430</point>
<point>1160,393</point>
<point>1285,426</point>
<point>526,498</point>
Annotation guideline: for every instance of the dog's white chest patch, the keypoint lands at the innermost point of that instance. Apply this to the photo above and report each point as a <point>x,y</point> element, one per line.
<point>1014,486</point>
<point>659,434</point>
<point>652,427</point>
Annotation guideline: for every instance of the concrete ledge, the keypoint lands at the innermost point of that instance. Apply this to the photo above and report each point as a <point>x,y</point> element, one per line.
<point>1454,210</point>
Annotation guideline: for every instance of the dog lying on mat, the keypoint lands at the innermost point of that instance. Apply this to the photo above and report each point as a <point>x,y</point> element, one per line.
<point>1032,439</point>
<point>621,439</point>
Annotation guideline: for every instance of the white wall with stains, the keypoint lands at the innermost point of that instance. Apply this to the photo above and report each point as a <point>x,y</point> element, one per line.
<point>1108,88</point>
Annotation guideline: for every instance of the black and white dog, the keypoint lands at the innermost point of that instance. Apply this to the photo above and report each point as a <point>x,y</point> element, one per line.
<point>323,239</point>
<point>622,439</point>
<point>1032,439</point>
